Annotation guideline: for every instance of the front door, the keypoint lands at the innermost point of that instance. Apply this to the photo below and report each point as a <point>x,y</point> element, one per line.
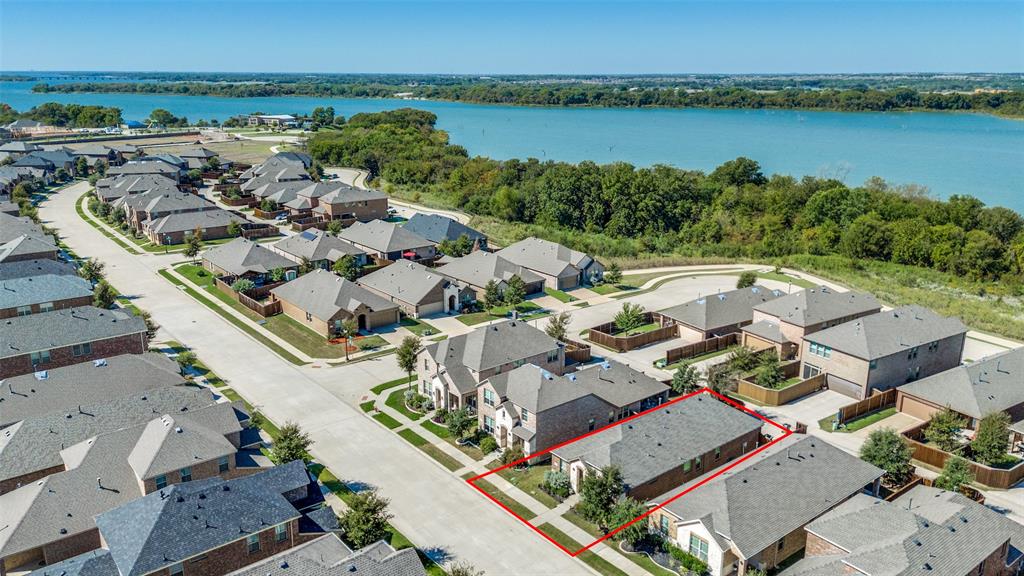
<point>503,437</point>
<point>362,322</point>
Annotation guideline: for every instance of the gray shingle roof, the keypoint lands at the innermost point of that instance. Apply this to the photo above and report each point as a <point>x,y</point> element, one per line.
<point>184,520</point>
<point>173,442</point>
<point>774,493</point>
<point>435,227</point>
<point>147,166</point>
<point>19,145</point>
<point>241,256</point>
<point>491,346</point>
<point>87,383</point>
<point>925,531</point>
<point>281,192</point>
<point>889,332</point>
<point>993,384</point>
<point>546,257</point>
<point>164,200</point>
<point>478,268</point>
<point>40,267</point>
<point>323,294</point>
<point>109,189</point>
<point>317,245</point>
<point>383,236</point>
<point>39,289</point>
<point>27,245</point>
<point>96,563</point>
<point>341,193</point>
<point>653,444</point>
<point>189,221</point>
<point>406,281</point>
<point>328,556</point>
<point>12,227</point>
<point>767,329</point>
<point>816,305</point>
<point>65,327</point>
<point>720,310</point>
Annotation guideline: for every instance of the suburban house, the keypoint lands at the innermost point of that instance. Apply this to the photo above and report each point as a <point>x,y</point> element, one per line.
<point>716,314</point>
<point>211,527</point>
<point>665,449</point>
<point>28,396</point>
<point>327,555</point>
<point>212,225</point>
<point>388,242</point>
<point>926,530</point>
<point>319,248</point>
<point>478,268</point>
<point>532,409</point>
<point>562,268</point>
<point>98,154</point>
<point>159,202</point>
<point>53,519</point>
<point>350,204</point>
<point>40,342</point>
<point>273,170</point>
<point>148,166</point>
<point>110,189</point>
<point>197,158</point>
<point>242,258</point>
<point>17,148</point>
<point>975,390</point>
<point>883,350</point>
<point>12,227</point>
<point>451,370</point>
<point>28,247</point>
<point>418,290</point>
<point>783,322</point>
<point>31,448</point>
<point>321,301</point>
<point>286,194</point>
<point>438,228</point>
<point>275,120</point>
<point>43,293</point>
<point>753,515</point>
<point>42,267</point>
<point>8,207</point>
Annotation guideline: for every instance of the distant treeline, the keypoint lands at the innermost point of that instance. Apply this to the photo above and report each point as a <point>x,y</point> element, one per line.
<point>735,211</point>
<point>620,95</point>
<point>67,115</point>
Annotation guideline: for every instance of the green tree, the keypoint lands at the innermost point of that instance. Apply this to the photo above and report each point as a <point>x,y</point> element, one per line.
<point>464,569</point>
<point>103,295</point>
<point>747,279</point>
<point>406,355</point>
<point>630,317</point>
<point>334,227</point>
<point>868,236</point>
<point>612,274</point>
<point>291,443</point>
<point>91,270</point>
<point>323,115</point>
<point>346,267</point>
<point>955,475</point>
<point>626,510</point>
<point>242,285</point>
<point>277,274</point>
<point>598,494</point>
<point>234,228</point>
<point>366,520</point>
<point>992,439</point>
<point>151,325</point>
<point>769,375</point>
<point>193,245</point>
<point>305,266</point>
<point>739,172</point>
<point>459,422</point>
<point>515,292</point>
<point>492,296</point>
<point>162,117</point>
<point>558,326</point>
<point>186,359</point>
<point>348,330</point>
<point>742,359</point>
<point>886,449</point>
<point>944,430</point>
<point>81,166</point>
<point>686,379</point>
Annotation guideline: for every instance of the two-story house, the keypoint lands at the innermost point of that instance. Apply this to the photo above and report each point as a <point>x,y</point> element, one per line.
<point>883,350</point>
<point>42,293</point>
<point>349,204</point>
<point>438,228</point>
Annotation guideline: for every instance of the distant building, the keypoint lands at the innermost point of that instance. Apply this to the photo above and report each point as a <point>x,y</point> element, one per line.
<point>275,120</point>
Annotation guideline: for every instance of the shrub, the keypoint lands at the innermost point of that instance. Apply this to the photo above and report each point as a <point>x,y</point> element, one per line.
<point>186,359</point>
<point>746,279</point>
<point>557,483</point>
<point>689,561</point>
<point>242,285</point>
<point>944,430</point>
<point>365,344</point>
<point>510,455</point>
<point>488,444</point>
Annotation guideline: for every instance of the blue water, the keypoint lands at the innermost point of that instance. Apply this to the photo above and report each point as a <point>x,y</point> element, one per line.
<point>949,153</point>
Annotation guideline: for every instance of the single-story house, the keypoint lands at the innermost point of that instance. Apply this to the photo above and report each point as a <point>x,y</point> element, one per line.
<point>176,228</point>
<point>148,166</point>
<point>883,350</point>
<point>438,228</point>
<point>418,290</point>
<point>43,293</point>
<point>716,314</point>
<point>321,301</point>
<point>532,409</point>
<point>197,158</point>
<point>243,258</point>
<point>664,449</point>
<point>28,247</point>
<point>478,268</point>
<point>562,268</point>
<point>97,153</point>
<point>320,248</point>
<point>41,267</point>
<point>388,242</point>
<point>753,515</point>
<point>110,189</point>
<point>13,227</point>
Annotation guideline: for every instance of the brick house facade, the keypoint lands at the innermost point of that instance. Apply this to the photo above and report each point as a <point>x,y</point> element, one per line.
<point>72,354</point>
<point>46,306</point>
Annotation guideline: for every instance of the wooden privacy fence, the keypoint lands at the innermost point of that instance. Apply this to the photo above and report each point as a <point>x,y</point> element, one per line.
<point>252,299</point>
<point>869,404</point>
<point>250,231</point>
<point>778,397</point>
<point>603,335</point>
<point>713,344</point>
<point>577,351</point>
<point>271,215</point>
<point>1000,478</point>
<point>247,201</point>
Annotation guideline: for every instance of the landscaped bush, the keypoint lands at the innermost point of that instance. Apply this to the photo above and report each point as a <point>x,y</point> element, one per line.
<point>417,402</point>
<point>511,455</point>
<point>242,285</point>
<point>689,561</point>
<point>557,483</point>
<point>488,444</point>
<point>365,344</point>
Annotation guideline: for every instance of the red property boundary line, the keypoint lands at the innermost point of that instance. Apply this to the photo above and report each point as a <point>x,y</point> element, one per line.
<point>785,433</point>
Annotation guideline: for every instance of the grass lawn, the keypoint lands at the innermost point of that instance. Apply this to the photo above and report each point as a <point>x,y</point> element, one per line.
<point>633,282</point>
<point>640,329</point>
<point>528,480</point>
<point>382,387</point>
<point>559,295</point>
<point>431,450</point>
<point>245,151</point>
<point>583,524</point>
<point>443,433</point>
<point>396,400</point>
<point>641,560</point>
<point>858,423</point>
<point>367,406</point>
<point>786,278</point>
<point>419,327</point>
<point>527,310</point>
<point>510,502</point>
<point>605,289</point>
<point>387,420</point>
<point>590,558</point>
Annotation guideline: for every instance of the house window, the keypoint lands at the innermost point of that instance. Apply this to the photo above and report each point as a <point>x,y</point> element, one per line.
<point>699,547</point>
<point>161,482</point>
<point>553,355</point>
<point>912,354</point>
<point>46,307</point>
<point>253,541</point>
<point>696,463</point>
<point>488,424</point>
<point>821,350</point>
<point>687,466</point>
<point>222,464</point>
<point>873,364</point>
<point>663,525</point>
<point>425,367</point>
<point>611,416</point>
<point>177,569</point>
<point>718,453</point>
<point>497,370</point>
<point>41,357</point>
<point>518,363</point>
<point>281,532</point>
<point>24,310</point>
<point>590,425</point>
<point>82,349</point>
<point>526,415</point>
<point>624,412</point>
<point>488,397</point>
<point>186,474</point>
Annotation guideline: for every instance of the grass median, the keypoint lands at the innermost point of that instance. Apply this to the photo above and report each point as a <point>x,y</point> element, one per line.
<point>589,558</point>
<point>433,451</point>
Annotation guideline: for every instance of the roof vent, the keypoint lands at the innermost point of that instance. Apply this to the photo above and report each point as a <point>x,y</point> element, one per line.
<point>180,498</point>
<point>177,429</point>
<point>63,530</point>
<point>283,564</point>
<point>571,377</point>
<point>226,488</point>
<point>100,362</point>
<point>351,567</point>
<point>42,375</point>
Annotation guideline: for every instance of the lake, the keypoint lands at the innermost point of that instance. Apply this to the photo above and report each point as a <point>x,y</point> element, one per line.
<point>949,153</point>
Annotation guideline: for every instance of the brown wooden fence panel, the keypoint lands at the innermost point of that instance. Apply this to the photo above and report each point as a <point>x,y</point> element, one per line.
<point>773,397</point>
<point>252,300</point>
<point>713,344</point>
<point>259,231</point>
<point>577,351</point>
<point>1001,478</point>
<point>603,335</point>
<point>243,201</point>
<point>869,404</point>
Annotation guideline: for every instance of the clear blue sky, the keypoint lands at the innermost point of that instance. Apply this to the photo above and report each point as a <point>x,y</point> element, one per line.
<point>493,36</point>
